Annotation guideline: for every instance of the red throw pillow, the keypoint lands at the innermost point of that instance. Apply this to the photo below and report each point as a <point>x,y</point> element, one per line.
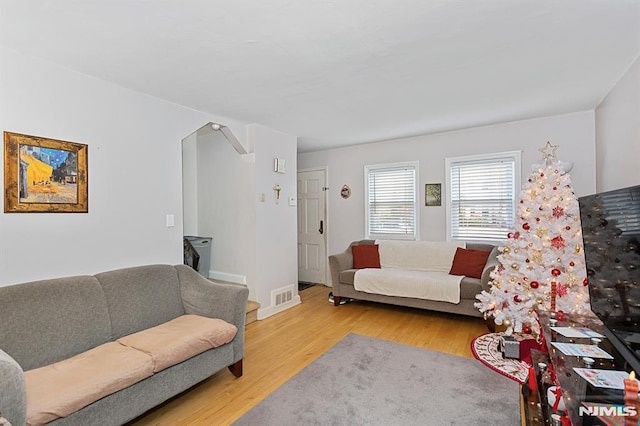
<point>469,263</point>
<point>365,256</point>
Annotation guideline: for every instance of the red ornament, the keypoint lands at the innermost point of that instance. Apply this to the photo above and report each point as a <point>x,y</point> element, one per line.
<point>555,188</point>
<point>526,227</point>
<point>510,235</point>
<point>542,174</point>
<point>558,242</point>
<point>537,219</point>
<point>572,263</point>
<point>527,260</point>
<point>567,227</point>
<point>555,272</point>
<point>562,290</point>
<point>585,282</point>
<point>561,316</point>
<point>516,235</point>
<point>517,299</point>
<point>534,284</point>
<point>526,329</point>
<point>558,211</point>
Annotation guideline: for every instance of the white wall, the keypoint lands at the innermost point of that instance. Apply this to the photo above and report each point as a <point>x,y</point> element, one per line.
<point>618,134</point>
<point>135,180</point>
<point>226,210</point>
<point>573,132</point>
<point>190,184</point>
<point>276,223</point>
<point>134,172</point>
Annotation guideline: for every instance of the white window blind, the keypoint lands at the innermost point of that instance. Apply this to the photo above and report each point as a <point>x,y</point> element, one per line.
<point>482,194</point>
<point>391,201</point>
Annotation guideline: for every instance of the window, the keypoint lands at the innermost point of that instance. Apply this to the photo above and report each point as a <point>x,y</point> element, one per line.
<point>481,195</point>
<point>391,201</point>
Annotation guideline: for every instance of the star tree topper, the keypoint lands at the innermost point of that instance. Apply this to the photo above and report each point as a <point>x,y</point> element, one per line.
<point>547,155</point>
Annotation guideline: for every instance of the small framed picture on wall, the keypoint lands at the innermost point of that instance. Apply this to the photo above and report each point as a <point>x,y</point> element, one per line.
<point>433,194</point>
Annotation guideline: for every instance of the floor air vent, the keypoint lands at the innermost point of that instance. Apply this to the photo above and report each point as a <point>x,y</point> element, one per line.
<point>281,295</point>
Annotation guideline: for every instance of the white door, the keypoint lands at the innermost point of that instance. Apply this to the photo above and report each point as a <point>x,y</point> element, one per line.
<point>312,227</point>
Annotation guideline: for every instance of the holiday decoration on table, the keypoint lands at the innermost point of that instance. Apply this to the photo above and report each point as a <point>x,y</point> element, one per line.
<point>542,262</point>
<point>631,399</point>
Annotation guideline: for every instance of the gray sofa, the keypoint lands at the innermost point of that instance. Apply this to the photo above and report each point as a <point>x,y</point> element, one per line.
<point>342,277</point>
<point>47,321</point>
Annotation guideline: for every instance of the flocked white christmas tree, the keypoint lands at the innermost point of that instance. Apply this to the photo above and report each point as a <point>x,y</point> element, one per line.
<point>542,262</point>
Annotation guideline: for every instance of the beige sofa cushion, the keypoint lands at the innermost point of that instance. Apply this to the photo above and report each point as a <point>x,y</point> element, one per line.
<point>62,388</point>
<point>469,287</point>
<point>180,339</point>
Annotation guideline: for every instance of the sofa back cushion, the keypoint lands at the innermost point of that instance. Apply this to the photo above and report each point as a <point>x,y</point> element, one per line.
<point>418,255</point>
<point>480,246</point>
<point>141,297</point>
<point>43,322</point>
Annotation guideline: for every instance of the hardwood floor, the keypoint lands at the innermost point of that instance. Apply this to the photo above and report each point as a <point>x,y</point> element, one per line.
<point>280,346</point>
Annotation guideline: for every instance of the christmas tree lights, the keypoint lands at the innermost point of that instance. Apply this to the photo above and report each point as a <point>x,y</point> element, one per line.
<point>542,262</point>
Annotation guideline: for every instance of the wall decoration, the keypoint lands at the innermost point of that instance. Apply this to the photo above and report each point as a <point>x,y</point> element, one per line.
<point>276,190</point>
<point>345,191</point>
<point>279,165</point>
<point>433,194</point>
<point>44,175</point>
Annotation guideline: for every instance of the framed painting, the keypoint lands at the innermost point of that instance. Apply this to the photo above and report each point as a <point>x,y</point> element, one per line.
<point>44,175</point>
<point>432,194</point>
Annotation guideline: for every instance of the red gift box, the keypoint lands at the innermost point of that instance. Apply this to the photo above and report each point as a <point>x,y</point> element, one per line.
<point>525,349</point>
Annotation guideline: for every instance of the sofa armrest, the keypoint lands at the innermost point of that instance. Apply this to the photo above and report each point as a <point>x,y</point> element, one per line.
<point>343,261</point>
<point>338,263</point>
<point>228,302</point>
<point>201,296</point>
<point>492,262</point>
<point>13,397</point>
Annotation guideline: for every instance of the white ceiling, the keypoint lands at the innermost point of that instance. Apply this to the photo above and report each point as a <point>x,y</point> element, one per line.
<point>341,72</point>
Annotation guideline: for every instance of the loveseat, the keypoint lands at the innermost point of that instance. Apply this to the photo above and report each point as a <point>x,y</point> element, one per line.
<point>406,264</point>
<point>104,349</point>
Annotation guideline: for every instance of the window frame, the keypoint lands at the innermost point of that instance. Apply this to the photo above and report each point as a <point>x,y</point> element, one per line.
<point>416,214</point>
<point>515,156</point>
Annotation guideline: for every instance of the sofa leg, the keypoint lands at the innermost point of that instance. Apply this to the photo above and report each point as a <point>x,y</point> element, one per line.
<point>336,300</point>
<point>236,368</point>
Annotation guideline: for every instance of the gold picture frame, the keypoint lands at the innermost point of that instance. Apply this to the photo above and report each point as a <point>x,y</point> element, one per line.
<point>44,175</point>
<point>433,194</point>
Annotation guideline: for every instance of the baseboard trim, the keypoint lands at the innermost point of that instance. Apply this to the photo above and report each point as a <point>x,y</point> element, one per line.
<point>272,310</point>
<point>232,278</point>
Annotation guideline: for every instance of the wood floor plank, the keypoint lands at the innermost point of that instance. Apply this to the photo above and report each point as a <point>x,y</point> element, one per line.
<point>280,346</point>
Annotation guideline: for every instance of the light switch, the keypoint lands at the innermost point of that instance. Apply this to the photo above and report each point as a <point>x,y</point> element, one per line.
<point>170,221</point>
<point>292,201</point>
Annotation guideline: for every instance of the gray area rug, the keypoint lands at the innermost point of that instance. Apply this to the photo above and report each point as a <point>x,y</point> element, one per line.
<point>367,381</point>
